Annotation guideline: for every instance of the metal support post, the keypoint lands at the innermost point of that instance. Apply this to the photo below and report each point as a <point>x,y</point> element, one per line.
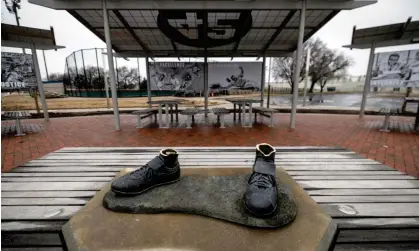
<point>297,61</point>
<point>111,66</point>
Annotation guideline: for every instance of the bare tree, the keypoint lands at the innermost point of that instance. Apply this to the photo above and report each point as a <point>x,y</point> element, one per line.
<point>336,69</point>
<point>325,63</point>
<point>12,6</point>
<point>283,70</point>
<point>56,76</point>
<point>128,78</point>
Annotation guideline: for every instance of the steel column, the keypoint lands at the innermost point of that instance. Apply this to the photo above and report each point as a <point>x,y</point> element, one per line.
<point>306,76</point>
<point>367,81</point>
<point>297,61</point>
<point>111,66</point>
<point>40,84</point>
<point>148,82</point>
<point>105,77</point>
<point>206,86</point>
<point>262,84</point>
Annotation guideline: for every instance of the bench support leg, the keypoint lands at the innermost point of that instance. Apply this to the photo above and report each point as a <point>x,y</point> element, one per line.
<point>18,128</point>
<point>250,124</point>
<point>167,117</point>
<point>139,121</point>
<point>189,122</point>
<point>160,116</point>
<point>177,112</point>
<point>386,124</point>
<point>234,112</point>
<point>271,124</point>
<point>155,117</point>
<point>243,118</point>
<point>221,117</point>
<point>256,115</point>
<point>193,118</point>
<point>218,119</point>
<point>171,113</point>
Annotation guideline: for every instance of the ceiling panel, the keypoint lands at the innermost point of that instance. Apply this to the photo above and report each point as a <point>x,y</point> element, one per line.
<point>143,23</point>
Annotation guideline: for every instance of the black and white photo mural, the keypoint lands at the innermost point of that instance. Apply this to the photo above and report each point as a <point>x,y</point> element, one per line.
<point>183,78</point>
<point>235,75</point>
<point>187,78</point>
<point>17,70</point>
<point>396,69</point>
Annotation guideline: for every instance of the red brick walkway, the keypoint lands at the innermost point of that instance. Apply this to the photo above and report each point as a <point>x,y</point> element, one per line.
<point>396,149</point>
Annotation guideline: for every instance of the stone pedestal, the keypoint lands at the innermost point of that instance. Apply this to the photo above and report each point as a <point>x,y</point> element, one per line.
<point>96,228</point>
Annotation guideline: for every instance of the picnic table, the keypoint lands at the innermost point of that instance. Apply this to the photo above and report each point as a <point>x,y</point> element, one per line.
<point>16,116</point>
<point>242,103</point>
<point>414,100</point>
<point>375,206</point>
<point>167,103</point>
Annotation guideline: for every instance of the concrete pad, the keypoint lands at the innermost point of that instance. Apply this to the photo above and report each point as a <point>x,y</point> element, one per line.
<point>96,228</point>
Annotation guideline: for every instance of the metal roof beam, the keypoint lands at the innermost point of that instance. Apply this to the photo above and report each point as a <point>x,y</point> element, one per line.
<point>203,5</point>
<point>278,30</point>
<point>201,53</point>
<point>130,30</point>
<point>88,26</point>
<point>404,28</point>
<point>325,21</point>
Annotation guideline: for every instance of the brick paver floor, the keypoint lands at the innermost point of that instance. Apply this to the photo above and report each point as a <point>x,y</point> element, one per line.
<point>396,149</point>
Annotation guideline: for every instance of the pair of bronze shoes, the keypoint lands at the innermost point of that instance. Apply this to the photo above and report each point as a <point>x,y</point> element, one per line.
<point>260,198</point>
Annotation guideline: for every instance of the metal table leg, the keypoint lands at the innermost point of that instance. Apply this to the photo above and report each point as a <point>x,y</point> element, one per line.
<point>177,112</point>
<point>171,113</point>
<point>239,112</point>
<point>139,121</point>
<point>417,120</point>
<point>189,122</point>
<point>222,121</point>
<point>250,115</point>
<point>234,112</point>
<point>18,128</point>
<point>167,116</point>
<point>243,119</point>
<point>160,116</point>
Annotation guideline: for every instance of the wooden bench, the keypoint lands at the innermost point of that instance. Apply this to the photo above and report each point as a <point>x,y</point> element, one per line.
<point>266,112</point>
<point>387,112</point>
<point>376,207</point>
<point>144,113</point>
<point>190,112</point>
<point>16,116</point>
<point>220,112</point>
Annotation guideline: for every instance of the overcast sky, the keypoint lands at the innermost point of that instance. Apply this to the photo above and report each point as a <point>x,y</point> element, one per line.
<point>336,33</point>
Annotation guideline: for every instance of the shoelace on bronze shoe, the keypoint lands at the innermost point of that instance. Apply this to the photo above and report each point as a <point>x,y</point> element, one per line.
<point>139,173</point>
<point>262,180</point>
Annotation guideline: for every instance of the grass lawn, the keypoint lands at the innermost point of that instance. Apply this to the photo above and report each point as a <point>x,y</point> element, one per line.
<point>19,102</point>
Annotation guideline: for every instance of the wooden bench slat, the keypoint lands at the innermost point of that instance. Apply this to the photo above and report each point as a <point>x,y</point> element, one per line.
<point>368,235</point>
<point>30,239</point>
<point>49,179</point>
<point>355,223</point>
<point>39,226</point>
<point>52,186</point>
<point>363,199</point>
<point>364,191</point>
<point>405,246</point>
<point>43,201</point>
<point>351,210</point>
<point>38,212</point>
<point>48,194</point>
